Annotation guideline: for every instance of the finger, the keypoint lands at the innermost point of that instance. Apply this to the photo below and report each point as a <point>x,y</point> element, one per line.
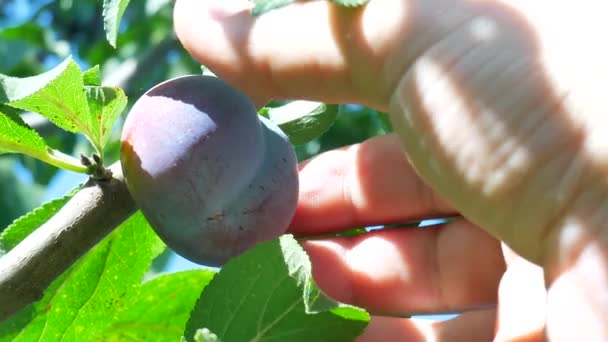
<point>284,54</point>
<point>470,326</point>
<point>366,184</point>
<point>410,271</point>
<point>577,300</point>
<point>522,301</point>
<point>478,325</point>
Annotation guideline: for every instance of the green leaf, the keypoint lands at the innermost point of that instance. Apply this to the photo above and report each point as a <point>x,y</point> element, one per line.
<point>263,6</point>
<point>96,290</point>
<point>60,95</point>
<point>29,222</point>
<point>92,77</point>
<point>303,121</point>
<point>112,14</point>
<point>17,197</point>
<point>16,136</point>
<point>13,328</point>
<point>57,94</point>
<point>18,44</point>
<point>264,294</point>
<point>105,106</point>
<point>205,71</point>
<point>350,3</point>
<point>28,31</point>
<point>205,335</point>
<point>384,122</point>
<point>264,112</point>
<point>161,309</point>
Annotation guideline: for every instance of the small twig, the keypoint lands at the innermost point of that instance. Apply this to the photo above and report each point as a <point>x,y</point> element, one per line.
<point>29,268</point>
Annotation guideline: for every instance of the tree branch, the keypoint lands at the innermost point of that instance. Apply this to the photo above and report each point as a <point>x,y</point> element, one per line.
<point>29,268</point>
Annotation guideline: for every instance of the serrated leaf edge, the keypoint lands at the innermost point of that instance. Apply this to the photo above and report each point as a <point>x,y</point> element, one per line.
<point>36,210</point>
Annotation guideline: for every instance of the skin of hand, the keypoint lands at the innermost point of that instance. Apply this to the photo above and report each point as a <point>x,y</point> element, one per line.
<point>499,108</point>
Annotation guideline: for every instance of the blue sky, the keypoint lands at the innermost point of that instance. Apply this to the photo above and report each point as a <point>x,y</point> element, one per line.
<point>19,11</point>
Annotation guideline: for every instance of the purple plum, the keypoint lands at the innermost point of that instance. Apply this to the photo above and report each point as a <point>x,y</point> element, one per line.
<point>211,176</point>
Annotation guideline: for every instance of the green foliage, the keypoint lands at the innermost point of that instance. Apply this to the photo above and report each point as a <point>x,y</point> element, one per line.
<point>16,196</point>
<point>101,297</point>
<point>92,77</point>
<point>21,47</point>
<point>105,106</point>
<point>113,11</point>
<point>60,95</point>
<point>26,224</point>
<point>13,50</point>
<point>350,3</point>
<point>303,121</point>
<point>264,295</point>
<point>90,297</point>
<point>16,136</point>
<point>205,335</point>
<point>32,43</point>
<point>161,308</point>
<point>57,94</point>
<point>352,125</point>
<point>263,6</point>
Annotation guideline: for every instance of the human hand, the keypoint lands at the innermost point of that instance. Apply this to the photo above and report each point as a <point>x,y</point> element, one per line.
<point>498,107</point>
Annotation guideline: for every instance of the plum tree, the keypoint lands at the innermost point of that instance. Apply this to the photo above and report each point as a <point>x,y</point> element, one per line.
<point>211,176</point>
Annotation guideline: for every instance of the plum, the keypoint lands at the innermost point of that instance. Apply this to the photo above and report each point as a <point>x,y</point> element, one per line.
<point>211,176</point>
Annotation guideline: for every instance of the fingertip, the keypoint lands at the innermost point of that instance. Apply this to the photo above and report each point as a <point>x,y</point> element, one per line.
<point>321,206</point>
<point>205,28</point>
<point>470,326</point>
<point>276,55</point>
<point>366,184</point>
<point>335,279</point>
<point>216,9</point>
<point>216,34</point>
<point>397,329</point>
